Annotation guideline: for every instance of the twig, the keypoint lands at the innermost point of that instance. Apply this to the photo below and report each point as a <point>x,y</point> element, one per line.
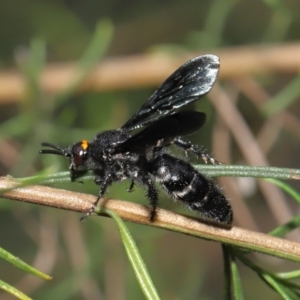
<point>151,69</point>
<point>132,212</point>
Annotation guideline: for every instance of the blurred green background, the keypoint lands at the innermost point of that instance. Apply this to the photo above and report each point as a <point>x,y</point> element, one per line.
<point>88,261</point>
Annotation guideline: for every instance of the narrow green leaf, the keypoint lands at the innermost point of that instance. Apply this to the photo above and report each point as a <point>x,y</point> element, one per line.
<point>60,177</point>
<point>135,258</point>
<point>95,51</point>
<point>286,228</point>
<point>98,46</point>
<point>290,275</point>
<point>219,12</point>
<point>22,265</point>
<point>285,293</point>
<point>279,23</point>
<point>287,188</point>
<point>230,171</point>
<point>227,272</point>
<point>246,171</point>
<point>13,291</point>
<point>271,278</point>
<point>237,286</point>
<point>294,222</point>
<point>34,64</point>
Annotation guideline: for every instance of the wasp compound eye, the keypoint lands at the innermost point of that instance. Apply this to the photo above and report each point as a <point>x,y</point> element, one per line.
<point>79,153</point>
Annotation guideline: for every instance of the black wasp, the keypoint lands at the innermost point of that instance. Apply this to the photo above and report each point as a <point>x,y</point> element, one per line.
<point>115,155</point>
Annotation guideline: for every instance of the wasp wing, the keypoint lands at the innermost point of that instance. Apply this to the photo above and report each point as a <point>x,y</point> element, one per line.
<point>190,82</point>
<point>162,132</point>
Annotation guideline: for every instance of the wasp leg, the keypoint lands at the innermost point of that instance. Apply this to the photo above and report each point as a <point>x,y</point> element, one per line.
<point>75,174</point>
<point>153,198</point>
<point>196,150</point>
<point>152,193</point>
<point>104,183</point>
<point>131,187</point>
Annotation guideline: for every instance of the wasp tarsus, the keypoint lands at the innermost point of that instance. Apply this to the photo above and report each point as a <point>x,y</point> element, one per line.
<point>116,155</point>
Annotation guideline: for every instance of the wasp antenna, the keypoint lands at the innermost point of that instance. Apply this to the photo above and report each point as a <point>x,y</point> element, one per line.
<point>55,150</point>
<point>50,151</point>
<point>50,145</point>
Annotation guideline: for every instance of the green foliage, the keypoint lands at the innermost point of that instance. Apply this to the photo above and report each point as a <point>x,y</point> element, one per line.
<point>135,258</point>
<point>87,260</point>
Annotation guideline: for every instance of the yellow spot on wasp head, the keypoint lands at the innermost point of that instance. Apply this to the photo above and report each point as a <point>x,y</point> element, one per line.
<point>84,144</point>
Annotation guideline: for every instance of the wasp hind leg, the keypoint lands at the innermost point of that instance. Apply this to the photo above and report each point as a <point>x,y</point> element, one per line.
<point>131,187</point>
<point>196,150</point>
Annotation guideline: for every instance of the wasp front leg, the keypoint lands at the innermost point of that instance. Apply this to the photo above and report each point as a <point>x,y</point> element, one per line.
<point>75,174</point>
<point>104,182</point>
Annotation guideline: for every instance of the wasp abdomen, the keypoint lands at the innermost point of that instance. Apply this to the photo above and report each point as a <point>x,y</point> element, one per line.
<point>186,184</point>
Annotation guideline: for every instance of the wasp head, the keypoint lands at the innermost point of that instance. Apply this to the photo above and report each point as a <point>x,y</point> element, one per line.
<point>77,153</point>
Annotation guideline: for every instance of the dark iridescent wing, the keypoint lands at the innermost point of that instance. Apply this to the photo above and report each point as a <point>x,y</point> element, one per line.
<point>190,82</point>
<point>163,131</point>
